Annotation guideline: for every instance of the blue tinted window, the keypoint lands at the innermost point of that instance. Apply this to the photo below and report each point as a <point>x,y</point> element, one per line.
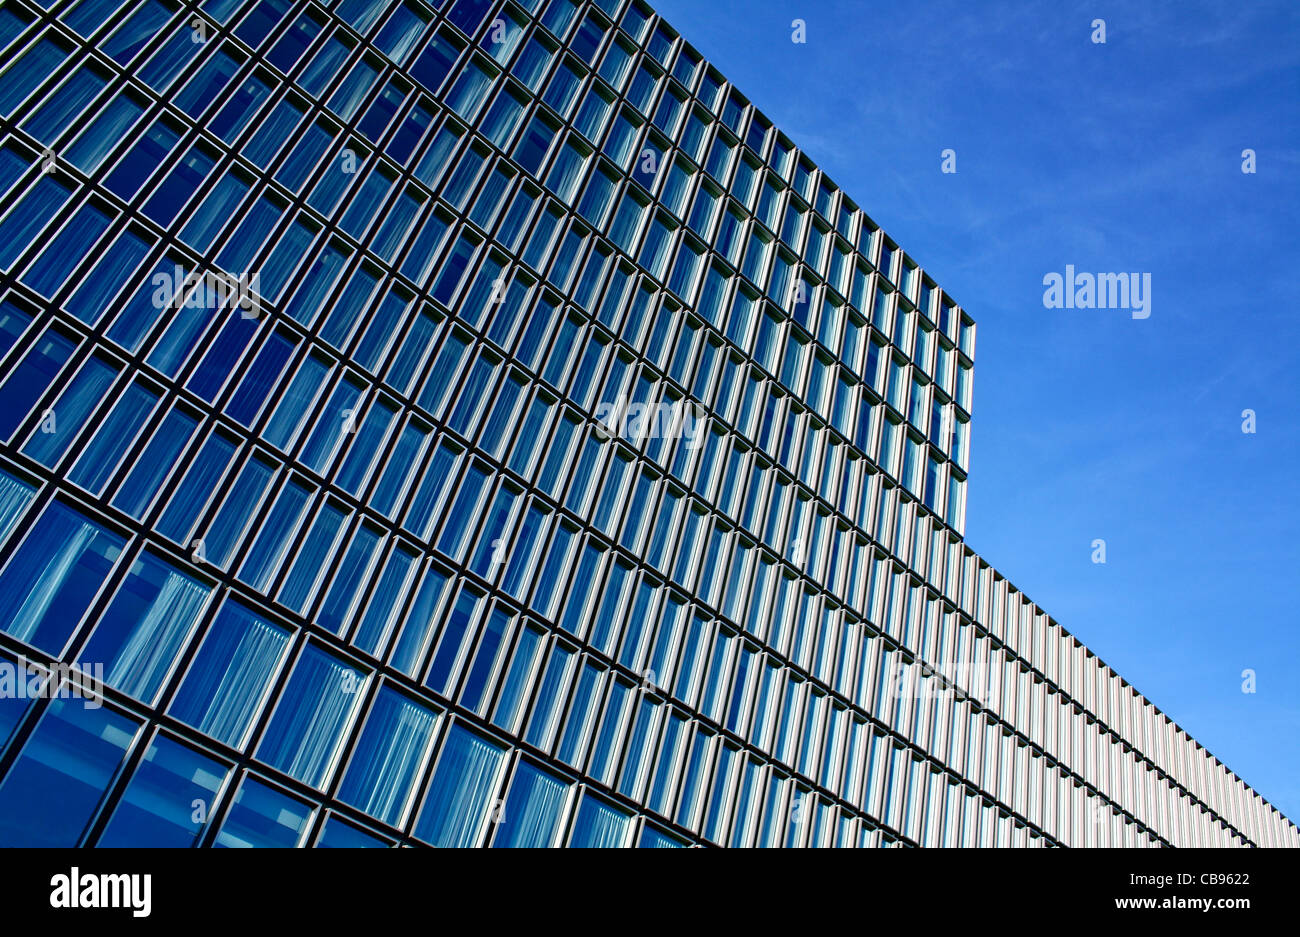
<point>433,64</point>
<point>366,444</point>
<point>262,563</point>
<point>19,230</point>
<point>239,501</point>
<point>62,109</point>
<point>154,463</point>
<point>348,580</point>
<point>533,810</point>
<point>375,628</point>
<point>217,208</point>
<point>469,14</point>
<point>313,557</point>
<point>295,402</point>
<point>53,577</point>
<point>290,48</point>
<point>331,425</point>
<point>516,682</point>
<point>168,800</point>
<point>33,375</point>
<point>312,715</point>
<point>70,411</point>
<point>599,825</point>
<point>106,279</point>
<point>464,512</point>
<point>141,634</point>
<point>454,629</point>
<point>388,757</point>
<point>338,834</point>
<point>485,655</point>
<point>13,20</point>
<point>455,807</point>
<point>326,64</point>
<point>170,60</point>
<point>261,20</point>
<point>400,32</point>
<point>140,27</point>
<point>207,84</point>
<point>653,838</point>
<point>255,387</point>
<point>53,788</point>
<point>262,817</point>
<point>34,66</point>
<point>421,620</point>
<point>201,477</point>
<point>305,157</point>
<point>223,354</point>
<point>140,162</point>
<point>230,675</point>
<point>15,495</point>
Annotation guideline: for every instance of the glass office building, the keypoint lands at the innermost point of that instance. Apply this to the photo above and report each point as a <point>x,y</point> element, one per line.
<point>471,422</point>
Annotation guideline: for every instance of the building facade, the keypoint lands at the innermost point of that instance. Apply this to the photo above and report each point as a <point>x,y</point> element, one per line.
<point>471,422</point>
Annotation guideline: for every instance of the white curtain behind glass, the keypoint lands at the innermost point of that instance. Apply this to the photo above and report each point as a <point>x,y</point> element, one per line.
<point>40,570</point>
<point>599,825</point>
<point>14,498</point>
<point>463,785</point>
<point>155,642</point>
<point>392,747</point>
<point>533,809</point>
<point>230,697</point>
<point>310,720</point>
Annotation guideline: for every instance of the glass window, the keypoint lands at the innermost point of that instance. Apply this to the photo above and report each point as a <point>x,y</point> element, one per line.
<point>19,230</point>
<point>654,838</point>
<point>109,275</point>
<point>155,462</point>
<point>263,817</point>
<point>200,481</point>
<point>60,257</point>
<point>421,620</point>
<point>104,130</point>
<point>435,62</point>
<point>141,26</point>
<point>54,576</point>
<point>599,825</point>
<point>485,659</point>
<point>350,576</point>
<point>208,83</point>
<point>169,799</point>
<point>148,622</point>
<point>463,786</point>
<point>61,423</point>
<point>469,14</point>
<point>470,91</point>
<point>388,757</point>
<point>339,834</point>
<point>53,788</point>
<point>230,675</point>
<point>376,626</point>
<point>15,495</point>
<point>33,67</point>
<point>312,716</point>
<point>261,20</point>
<point>533,810</point>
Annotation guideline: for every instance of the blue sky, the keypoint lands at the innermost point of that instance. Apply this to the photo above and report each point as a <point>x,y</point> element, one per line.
<point>1088,423</point>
